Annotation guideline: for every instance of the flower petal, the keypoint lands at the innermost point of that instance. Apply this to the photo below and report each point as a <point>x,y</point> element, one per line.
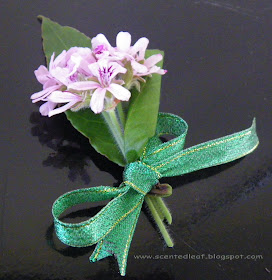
<point>44,93</point>
<point>62,108</point>
<point>139,68</point>
<point>51,61</point>
<point>76,59</point>
<point>140,47</point>
<point>84,67</point>
<point>60,60</point>
<point>47,107</point>
<point>153,70</point>
<point>84,85</point>
<point>100,39</point>
<point>123,41</point>
<point>42,74</point>
<point>152,60</point>
<point>117,68</point>
<point>97,100</point>
<point>119,92</point>
<point>87,58</point>
<point>95,67</point>
<point>61,74</point>
<point>63,97</point>
<point>50,83</point>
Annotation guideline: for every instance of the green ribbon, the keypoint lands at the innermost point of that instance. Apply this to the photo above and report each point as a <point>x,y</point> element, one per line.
<point>113,227</point>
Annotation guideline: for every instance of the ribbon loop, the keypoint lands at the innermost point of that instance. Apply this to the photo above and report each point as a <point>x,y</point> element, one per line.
<point>167,124</point>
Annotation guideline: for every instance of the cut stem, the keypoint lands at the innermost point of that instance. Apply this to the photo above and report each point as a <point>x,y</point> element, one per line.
<point>158,209</point>
<point>159,222</point>
<point>165,211</point>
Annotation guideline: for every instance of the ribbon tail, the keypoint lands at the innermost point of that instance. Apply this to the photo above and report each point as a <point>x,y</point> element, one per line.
<point>100,252</point>
<point>117,242</point>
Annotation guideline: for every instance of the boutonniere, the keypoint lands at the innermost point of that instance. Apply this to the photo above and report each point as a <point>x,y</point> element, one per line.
<point>111,94</point>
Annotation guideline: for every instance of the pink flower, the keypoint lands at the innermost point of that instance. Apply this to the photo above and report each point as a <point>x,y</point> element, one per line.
<point>101,46</point>
<point>150,66</point>
<point>49,84</point>
<point>59,97</point>
<point>70,63</point>
<point>79,59</point>
<point>125,52</point>
<point>103,81</point>
<point>98,78</point>
<point>63,70</point>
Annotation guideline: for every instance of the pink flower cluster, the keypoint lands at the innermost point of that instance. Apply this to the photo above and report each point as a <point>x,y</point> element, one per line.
<point>98,78</point>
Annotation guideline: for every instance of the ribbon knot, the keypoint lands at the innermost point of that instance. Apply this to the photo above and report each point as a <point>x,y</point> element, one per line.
<point>140,177</point>
<point>113,227</point>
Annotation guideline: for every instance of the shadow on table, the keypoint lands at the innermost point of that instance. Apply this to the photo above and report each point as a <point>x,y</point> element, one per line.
<point>72,150</point>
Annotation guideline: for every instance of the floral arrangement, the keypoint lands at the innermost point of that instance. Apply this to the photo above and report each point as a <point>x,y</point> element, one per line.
<point>97,78</point>
<point>111,95</point>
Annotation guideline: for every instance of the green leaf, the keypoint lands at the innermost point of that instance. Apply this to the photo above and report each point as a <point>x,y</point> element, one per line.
<point>94,127</point>
<point>142,114</point>
<point>57,38</point>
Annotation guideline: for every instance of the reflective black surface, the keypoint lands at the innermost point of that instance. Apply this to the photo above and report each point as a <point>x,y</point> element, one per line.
<point>218,57</point>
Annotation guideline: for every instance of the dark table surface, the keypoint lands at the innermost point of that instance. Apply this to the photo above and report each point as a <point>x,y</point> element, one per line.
<point>218,57</point>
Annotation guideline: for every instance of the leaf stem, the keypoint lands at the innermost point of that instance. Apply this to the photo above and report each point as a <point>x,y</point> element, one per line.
<point>121,114</point>
<point>159,221</point>
<point>115,128</point>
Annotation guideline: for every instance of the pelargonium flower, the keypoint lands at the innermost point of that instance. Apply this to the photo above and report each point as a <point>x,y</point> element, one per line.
<point>62,71</point>
<point>57,97</point>
<point>125,52</point>
<point>99,78</point>
<point>104,85</point>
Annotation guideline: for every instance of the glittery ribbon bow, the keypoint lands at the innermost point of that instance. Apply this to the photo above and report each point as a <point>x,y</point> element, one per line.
<point>113,227</point>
